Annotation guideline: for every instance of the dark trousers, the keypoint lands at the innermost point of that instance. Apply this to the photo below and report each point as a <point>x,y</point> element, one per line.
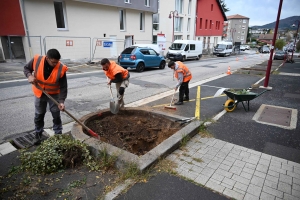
<point>184,90</point>
<point>40,111</point>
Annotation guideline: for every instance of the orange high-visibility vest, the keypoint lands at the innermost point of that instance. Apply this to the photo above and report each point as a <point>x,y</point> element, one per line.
<point>183,69</point>
<point>51,85</point>
<point>115,69</point>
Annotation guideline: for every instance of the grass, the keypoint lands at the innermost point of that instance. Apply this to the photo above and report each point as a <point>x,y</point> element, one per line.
<point>275,72</point>
<point>203,132</point>
<point>198,160</point>
<point>184,141</point>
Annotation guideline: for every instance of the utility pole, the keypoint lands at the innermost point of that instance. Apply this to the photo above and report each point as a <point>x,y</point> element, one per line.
<point>266,83</point>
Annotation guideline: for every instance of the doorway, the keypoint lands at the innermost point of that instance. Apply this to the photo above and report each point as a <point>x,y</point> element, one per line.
<point>14,49</point>
<point>128,40</point>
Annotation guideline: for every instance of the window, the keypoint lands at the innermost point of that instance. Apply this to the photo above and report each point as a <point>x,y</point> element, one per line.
<point>243,27</point>
<point>217,24</point>
<point>244,21</point>
<point>188,25</point>
<point>238,37</point>
<point>179,6</point>
<point>243,33</point>
<point>122,20</point>
<point>189,8</point>
<point>210,23</point>
<point>60,15</point>
<point>199,38</point>
<point>192,47</point>
<point>147,3</point>
<point>178,24</point>
<point>200,23</point>
<point>152,52</point>
<point>242,37</point>
<point>177,37</point>
<point>156,22</point>
<point>206,24</point>
<point>127,1</point>
<point>240,20</point>
<point>154,39</point>
<point>142,21</point>
<point>211,7</point>
<point>188,37</point>
<point>145,51</point>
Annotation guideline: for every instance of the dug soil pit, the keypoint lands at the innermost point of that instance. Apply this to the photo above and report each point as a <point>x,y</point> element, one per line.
<point>136,131</point>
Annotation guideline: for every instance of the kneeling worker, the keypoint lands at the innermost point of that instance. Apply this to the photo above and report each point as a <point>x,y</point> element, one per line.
<point>118,75</point>
<point>183,75</point>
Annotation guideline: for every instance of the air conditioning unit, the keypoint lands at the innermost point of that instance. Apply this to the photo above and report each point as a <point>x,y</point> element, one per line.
<point>1,56</point>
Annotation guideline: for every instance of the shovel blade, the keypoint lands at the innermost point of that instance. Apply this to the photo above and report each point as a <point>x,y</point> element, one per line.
<point>113,108</point>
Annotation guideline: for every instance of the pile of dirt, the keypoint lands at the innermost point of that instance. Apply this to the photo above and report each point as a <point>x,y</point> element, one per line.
<point>136,131</point>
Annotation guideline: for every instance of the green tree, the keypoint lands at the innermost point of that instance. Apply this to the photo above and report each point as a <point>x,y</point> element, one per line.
<point>279,44</point>
<point>224,6</point>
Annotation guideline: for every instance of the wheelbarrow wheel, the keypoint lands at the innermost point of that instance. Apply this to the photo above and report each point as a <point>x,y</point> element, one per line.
<point>229,105</point>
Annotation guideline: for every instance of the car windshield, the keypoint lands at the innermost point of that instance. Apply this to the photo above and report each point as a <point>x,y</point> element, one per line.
<point>128,50</point>
<point>279,52</point>
<point>177,46</point>
<point>221,46</point>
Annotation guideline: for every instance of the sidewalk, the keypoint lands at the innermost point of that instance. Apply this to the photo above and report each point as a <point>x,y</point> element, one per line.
<point>244,159</point>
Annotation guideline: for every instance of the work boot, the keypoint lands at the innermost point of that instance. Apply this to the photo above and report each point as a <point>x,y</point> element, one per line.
<point>179,103</point>
<point>38,139</point>
<point>186,99</point>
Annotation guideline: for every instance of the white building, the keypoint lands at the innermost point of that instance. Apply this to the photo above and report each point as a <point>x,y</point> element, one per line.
<point>184,22</point>
<point>79,29</point>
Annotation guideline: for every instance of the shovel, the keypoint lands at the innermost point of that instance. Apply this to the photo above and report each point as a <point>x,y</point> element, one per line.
<point>114,107</point>
<point>92,133</point>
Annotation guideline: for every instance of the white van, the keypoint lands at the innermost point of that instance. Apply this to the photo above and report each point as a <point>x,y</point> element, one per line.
<point>223,48</point>
<point>185,49</point>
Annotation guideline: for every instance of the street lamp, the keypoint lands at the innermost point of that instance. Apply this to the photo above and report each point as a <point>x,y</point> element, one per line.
<point>172,15</point>
<point>295,37</point>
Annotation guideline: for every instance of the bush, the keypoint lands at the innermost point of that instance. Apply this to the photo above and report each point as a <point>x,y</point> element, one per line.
<point>279,44</point>
<point>58,152</point>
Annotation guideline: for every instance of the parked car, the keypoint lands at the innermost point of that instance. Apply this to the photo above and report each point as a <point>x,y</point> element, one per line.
<point>223,48</point>
<point>140,58</point>
<point>280,55</point>
<point>185,49</point>
<point>247,47</point>
<point>242,47</point>
<point>264,49</point>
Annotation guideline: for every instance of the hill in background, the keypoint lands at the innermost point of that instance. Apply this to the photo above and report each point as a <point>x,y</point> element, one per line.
<point>283,24</point>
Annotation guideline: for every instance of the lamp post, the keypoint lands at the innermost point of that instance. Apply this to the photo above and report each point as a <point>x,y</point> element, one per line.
<point>172,15</point>
<point>295,37</point>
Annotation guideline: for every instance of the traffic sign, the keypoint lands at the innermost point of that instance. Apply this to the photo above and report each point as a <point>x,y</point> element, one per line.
<point>107,44</point>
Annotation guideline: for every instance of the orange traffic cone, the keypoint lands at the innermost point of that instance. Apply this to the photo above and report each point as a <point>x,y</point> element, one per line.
<point>237,59</point>
<point>228,71</point>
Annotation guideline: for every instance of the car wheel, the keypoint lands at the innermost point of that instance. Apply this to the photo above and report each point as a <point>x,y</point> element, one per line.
<point>140,67</point>
<point>198,57</point>
<point>183,58</point>
<point>162,64</point>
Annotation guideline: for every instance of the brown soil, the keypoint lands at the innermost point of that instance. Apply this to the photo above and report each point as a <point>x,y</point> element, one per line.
<point>136,131</point>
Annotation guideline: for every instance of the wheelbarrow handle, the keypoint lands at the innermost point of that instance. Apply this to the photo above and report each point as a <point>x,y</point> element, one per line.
<point>261,93</point>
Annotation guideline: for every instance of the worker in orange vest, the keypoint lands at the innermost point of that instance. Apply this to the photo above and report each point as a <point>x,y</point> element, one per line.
<point>49,74</point>
<point>118,75</point>
<point>183,75</point>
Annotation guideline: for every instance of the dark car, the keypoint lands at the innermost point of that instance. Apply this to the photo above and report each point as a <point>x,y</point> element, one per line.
<point>280,55</point>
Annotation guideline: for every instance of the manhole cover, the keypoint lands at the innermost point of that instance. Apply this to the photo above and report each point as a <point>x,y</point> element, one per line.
<point>276,116</point>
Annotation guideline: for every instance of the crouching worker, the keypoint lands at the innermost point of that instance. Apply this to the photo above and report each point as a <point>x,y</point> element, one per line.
<point>183,75</point>
<point>50,75</point>
<point>117,75</point>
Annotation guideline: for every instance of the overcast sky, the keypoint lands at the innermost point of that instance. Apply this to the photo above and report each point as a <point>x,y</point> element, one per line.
<point>262,12</point>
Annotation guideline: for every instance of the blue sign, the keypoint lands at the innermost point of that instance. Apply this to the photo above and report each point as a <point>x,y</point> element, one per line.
<point>107,44</point>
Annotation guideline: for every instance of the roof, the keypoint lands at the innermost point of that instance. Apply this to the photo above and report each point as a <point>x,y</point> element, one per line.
<point>237,16</point>
<point>221,8</point>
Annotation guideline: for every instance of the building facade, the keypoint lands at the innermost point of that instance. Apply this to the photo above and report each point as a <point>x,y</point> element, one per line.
<point>80,30</point>
<point>184,15</point>
<point>237,28</point>
<point>210,21</point>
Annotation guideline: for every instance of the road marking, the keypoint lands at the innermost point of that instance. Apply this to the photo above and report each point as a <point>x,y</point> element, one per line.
<point>204,98</point>
<point>197,109</point>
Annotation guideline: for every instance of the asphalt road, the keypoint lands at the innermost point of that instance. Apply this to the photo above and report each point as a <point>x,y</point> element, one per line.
<point>88,91</point>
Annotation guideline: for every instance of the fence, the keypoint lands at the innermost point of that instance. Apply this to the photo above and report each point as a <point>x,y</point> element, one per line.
<point>106,48</point>
<point>32,46</point>
<point>70,48</point>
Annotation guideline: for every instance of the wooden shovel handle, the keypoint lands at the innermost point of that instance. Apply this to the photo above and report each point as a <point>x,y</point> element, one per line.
<point>92,133</point>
